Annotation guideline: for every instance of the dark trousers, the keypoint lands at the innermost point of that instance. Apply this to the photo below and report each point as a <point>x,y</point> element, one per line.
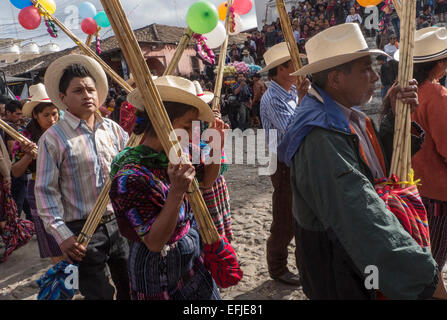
<point>18,192</point>
<point>106,248</point>
<point>282,228</point>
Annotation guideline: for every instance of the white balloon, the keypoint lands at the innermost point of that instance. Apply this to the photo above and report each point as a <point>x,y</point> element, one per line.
<point>238,25</point>
<point>215,38</point>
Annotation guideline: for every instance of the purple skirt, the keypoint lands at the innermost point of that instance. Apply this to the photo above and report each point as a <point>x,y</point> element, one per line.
<point>437,223</point>
<point>48,246</point>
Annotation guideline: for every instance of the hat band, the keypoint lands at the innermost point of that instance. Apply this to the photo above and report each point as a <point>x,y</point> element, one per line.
<point>430,56</point>
<point>200,94</point>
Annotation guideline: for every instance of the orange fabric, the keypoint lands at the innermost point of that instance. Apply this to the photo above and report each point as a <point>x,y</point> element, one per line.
<point>430,163</point>
<point>362,152</point>
<point>375,143</point>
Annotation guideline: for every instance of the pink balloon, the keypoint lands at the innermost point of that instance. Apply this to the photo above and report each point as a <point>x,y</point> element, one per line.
<point>30,18</point>
<point>242,6</point>
<point>89,26</point>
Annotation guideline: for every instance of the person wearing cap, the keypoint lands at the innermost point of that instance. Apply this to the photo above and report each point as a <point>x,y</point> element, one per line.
<point>343,227</point>
<point>247,58</point>
<point>43,114</point>
<point>391,47</point>
<point>148,193</point>
<point>277,107</point>
<point>429,163</point>
<point>73,164</point>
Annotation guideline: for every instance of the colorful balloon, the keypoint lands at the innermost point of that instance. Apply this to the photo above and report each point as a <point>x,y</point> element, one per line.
<point>20,4</point>
<point>50,5</point>
<point>30,18</point>
<point>202,17</point>
<point>102,20</point>
<point>222,10</point>
<point>216,37</point>
<point>238,25</point>
<point>87,10</point>
<point>242,6</point>
<point>366,3</point>
<point>89,26</point>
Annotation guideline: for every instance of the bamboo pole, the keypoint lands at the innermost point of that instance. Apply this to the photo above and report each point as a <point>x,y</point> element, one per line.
<point>286,27</point>
<point>221,63</point>
<point>155,109</point>
<point>398,7</point>
<point>89,40</point>
<point>15,134</point>
<point>401,159</point>
<point>183,44</point>
<point>86,49</point>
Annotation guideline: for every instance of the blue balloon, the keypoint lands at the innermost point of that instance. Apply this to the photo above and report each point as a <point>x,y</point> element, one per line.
<point>20,4</point>
<point>87,10</point>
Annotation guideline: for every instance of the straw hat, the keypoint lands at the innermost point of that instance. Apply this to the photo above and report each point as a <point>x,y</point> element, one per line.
<point>277,55</point>
<point>55,71</point>
<point>177,89</point>
<point>131,80</point>
<point>37,95</point>
<point>335,46</point>
<point>430,44</point>
<point>206,96</point>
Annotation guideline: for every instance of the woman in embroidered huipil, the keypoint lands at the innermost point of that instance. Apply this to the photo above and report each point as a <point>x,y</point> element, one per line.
<point>148,194</point>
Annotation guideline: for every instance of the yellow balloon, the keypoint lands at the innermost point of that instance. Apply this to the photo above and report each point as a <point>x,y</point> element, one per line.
<point>222,10</point>
<point>50,5</point>
<point>366,3</point>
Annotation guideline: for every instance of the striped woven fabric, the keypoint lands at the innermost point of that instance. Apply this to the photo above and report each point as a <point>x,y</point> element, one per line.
<point>406,204</point>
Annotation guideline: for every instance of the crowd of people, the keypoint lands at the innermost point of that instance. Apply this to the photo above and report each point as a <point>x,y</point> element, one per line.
<point>329,157</point>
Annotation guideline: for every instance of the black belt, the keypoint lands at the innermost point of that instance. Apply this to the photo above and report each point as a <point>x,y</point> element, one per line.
<point>107,219</point>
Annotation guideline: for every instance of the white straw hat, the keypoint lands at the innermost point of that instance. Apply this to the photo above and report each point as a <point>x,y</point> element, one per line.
<point>177,89</point>
<point>37,94</point>
<point>206,96</point>
<point>430,44</point>
<point>335,46</point>
<point>277,55</point>
<point>55,71</point>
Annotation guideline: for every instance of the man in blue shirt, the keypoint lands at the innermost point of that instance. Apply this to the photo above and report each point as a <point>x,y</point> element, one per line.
<point>277,108</point>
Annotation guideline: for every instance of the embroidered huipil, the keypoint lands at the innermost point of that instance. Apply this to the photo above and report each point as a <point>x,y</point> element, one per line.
<point>73,164</point>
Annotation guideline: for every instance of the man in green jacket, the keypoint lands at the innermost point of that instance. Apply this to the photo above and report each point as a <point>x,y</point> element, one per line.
<point>350,245</point>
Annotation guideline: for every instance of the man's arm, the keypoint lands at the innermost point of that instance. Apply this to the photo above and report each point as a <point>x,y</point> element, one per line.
<point>344,200</point>
<point>47,191</point>
<point>279,115</point>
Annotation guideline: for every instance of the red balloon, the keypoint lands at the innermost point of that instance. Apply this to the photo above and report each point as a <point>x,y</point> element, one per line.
<point>89,26</point>
<point>242,6</point>
<point>30,18</point>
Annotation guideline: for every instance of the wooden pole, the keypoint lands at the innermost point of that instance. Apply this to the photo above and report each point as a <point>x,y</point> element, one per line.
<point>221,63</point>
<point>86,49</point>
<point>15,134</point>
<point>289,37</point>
<point>183,44</point>
<point>401,159</point>
<point>155,109</point>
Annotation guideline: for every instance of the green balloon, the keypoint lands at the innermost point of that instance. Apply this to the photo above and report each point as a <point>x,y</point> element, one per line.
<point>202,17</point>
<point>102,20</point>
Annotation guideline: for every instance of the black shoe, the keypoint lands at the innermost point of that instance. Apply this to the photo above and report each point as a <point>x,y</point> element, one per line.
<point>289,278</point>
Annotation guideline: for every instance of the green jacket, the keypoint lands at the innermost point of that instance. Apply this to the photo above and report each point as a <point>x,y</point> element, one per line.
<point>342,225</point>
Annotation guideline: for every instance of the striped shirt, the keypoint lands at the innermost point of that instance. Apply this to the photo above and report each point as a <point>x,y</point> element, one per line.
<point>277,108</point>
<point>73,163</point>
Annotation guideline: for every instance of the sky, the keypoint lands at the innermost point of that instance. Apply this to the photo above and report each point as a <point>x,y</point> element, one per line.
<point>139,12</point>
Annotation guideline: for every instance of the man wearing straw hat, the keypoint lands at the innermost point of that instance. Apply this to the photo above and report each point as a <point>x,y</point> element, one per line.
<point>277,107</point>
<point>349,244</point>
<point>73,164</point>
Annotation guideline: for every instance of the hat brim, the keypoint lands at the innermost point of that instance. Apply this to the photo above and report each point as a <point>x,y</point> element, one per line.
<point>55,71</point>
<point>172,94</point>
<point>332,62</point>
<point>279,62</point>
<point>419,59</point>
<point>28,107</point>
